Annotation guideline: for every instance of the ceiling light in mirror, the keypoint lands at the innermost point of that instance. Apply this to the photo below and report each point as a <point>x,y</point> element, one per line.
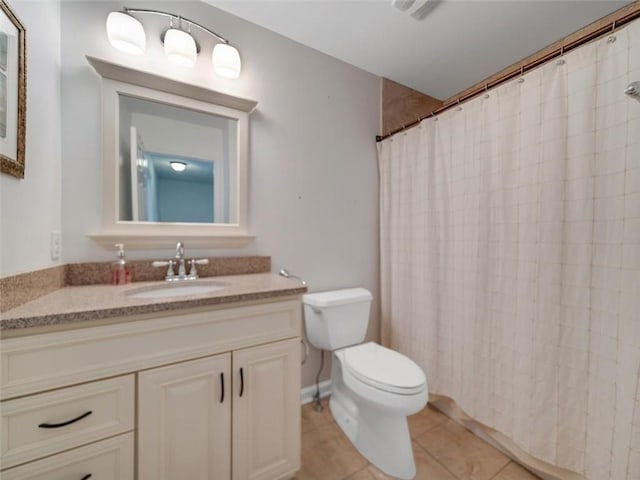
<point>178,166</point>
<point>126,33</point>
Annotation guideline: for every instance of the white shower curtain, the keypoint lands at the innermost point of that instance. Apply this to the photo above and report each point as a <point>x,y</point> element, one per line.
<point>510,254</point>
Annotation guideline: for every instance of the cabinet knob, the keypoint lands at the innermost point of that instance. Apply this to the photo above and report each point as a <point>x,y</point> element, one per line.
<point>222,387</point>
<point>241,381</point>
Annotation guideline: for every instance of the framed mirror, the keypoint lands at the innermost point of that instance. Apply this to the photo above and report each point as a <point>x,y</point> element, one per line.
<point>174,168</point>
<point>13,97</point>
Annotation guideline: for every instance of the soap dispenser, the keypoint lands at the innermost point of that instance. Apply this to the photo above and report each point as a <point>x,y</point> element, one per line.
<point>120,272</point>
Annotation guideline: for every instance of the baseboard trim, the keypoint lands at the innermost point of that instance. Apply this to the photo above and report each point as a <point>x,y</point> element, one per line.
<point>307,393</point>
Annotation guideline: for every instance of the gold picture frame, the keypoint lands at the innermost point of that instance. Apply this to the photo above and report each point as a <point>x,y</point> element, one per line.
<point>13,92</point>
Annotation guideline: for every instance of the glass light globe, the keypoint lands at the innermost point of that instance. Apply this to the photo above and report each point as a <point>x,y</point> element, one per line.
<point>126,33</point>
<point>180,47</point>
<point>226,61</point>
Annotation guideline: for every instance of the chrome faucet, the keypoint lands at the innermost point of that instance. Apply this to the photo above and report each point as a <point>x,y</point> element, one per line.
<point>182,271</point>
<point>179,260</point>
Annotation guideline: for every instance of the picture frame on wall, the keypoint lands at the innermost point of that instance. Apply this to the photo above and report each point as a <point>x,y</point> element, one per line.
<point>13,94</point>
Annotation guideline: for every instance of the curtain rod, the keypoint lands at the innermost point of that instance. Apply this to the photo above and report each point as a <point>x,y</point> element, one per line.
<point>588,37</point>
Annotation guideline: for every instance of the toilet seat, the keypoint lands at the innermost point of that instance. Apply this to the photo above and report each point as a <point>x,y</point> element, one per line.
<point>384,369</point>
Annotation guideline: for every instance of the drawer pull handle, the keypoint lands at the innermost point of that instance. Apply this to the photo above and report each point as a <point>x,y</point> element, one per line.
<point>86,477</point>
<point>222,385</point>
<point>64,424</point>
<point>241,381</point>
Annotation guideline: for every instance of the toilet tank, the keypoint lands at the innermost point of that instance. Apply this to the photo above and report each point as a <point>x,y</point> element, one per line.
<point>337,318</point>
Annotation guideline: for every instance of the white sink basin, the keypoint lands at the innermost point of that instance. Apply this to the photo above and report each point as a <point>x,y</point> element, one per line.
<point>171,290</point>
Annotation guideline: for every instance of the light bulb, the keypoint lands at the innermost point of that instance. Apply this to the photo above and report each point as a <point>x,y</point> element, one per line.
<point>178,166</point>
<point>180,47</point>
<point>226,61</point>
<point>126,33</point>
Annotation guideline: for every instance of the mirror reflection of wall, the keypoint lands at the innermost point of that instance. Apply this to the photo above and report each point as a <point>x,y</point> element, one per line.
<point>184,167</point>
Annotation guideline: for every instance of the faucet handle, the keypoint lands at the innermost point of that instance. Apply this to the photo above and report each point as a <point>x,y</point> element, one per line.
<point>193,272</point>
<point>169,264</point>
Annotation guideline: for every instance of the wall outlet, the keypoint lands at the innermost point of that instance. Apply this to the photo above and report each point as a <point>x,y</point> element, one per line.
<point>56,245</point>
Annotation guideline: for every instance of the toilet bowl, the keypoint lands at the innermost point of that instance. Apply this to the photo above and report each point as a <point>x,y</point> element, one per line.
<point>373,388</point>
<point>372,409</point>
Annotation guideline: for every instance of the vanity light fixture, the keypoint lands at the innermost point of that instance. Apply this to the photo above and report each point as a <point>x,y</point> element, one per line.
<point>127,34</point>
<point>180,47</point>
<point>178,166</point>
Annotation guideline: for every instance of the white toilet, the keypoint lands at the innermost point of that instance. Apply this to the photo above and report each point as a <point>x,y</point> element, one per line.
<point>373,389</point>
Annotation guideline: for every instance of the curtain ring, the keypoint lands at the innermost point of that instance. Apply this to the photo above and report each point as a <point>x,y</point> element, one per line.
<point>433,115</point>
<point>612,37</point>
<point>560,61</point>
<point>521,79</point>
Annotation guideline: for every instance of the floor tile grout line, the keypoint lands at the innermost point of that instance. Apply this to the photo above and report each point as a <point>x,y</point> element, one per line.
<point>433,427</point>
<point>435,459</point>
<point>441,422</point>
<point>498,472</point>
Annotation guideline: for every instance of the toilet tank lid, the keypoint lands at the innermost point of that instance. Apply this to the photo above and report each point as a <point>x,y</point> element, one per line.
<point>334,298</point>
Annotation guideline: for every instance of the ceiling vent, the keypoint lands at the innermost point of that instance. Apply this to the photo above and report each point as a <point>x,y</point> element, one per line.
<point>417,9</point>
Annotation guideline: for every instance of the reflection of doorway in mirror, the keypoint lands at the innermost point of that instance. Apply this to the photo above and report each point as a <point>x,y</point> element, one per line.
<point>192,195</point>
<point>143,182</point>
<point>160,193</point>
<point>152,135</point>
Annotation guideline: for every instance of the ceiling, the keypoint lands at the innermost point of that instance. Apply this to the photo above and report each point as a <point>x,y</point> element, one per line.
<point>457,44</point>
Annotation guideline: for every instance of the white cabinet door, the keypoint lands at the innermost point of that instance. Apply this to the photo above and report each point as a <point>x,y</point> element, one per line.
<point>184,421</point>
<point>266,411</point>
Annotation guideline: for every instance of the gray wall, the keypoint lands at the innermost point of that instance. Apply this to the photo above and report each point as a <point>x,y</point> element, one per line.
<point>313,169</point>
<point>30,208</point>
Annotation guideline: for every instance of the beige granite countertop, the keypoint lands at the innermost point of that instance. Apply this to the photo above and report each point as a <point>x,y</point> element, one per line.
<point>74,305</point>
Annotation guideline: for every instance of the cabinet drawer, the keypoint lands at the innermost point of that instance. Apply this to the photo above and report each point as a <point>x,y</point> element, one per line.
<point>110,459</point>
<point>47,423</point>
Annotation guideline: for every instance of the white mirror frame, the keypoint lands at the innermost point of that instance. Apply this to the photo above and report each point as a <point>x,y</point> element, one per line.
<point>167,91</point>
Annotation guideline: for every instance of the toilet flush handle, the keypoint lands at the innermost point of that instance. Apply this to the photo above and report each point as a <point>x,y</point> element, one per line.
<point>285,273</point>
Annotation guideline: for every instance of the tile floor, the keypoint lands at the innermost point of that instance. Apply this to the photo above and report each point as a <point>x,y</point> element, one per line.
<point>443,451</point>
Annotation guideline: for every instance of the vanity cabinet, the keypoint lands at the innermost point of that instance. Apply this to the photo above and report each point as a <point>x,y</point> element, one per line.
<point>209,393</point>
